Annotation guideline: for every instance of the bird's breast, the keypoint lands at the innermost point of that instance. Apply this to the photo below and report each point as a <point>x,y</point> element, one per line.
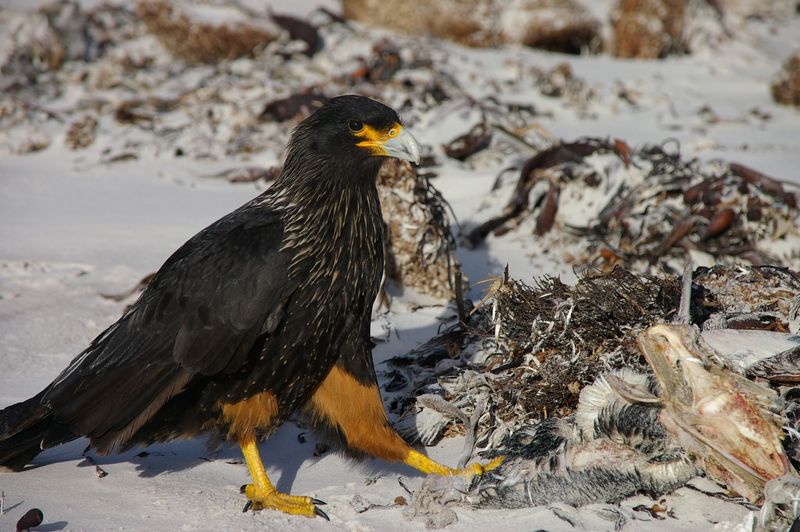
<point>347,272</point>
<point>334,238</point>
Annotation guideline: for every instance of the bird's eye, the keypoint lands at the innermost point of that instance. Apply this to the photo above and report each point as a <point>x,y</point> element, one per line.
<point>356,125</point>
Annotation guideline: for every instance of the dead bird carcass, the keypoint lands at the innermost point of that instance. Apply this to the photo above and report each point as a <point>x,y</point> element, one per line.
<point>652,433</point>
<point>633,430</point>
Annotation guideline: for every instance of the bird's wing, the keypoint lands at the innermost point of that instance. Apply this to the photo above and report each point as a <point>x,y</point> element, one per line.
<point>203,313</point>
<point>219,296</point>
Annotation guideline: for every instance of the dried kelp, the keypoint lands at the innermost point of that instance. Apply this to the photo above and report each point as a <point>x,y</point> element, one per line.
<point>469,143</point>
<point>530,350</point>
<point>631,430</point>
<point>529,353</point>
<point>419,242</point>
<point>300,30</point>
<point>645,208</point>
<point>297,106</point>
<point>767,296</point>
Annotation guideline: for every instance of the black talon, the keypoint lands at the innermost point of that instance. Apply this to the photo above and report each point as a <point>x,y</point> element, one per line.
<point>321,514</point>
<point>318,502</point>
<point>243,488</point>
<point>247,506</point>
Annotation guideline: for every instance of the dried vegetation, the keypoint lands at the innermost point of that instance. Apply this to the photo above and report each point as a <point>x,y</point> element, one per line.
<point>562,26</point>
<point>529,352</point>
<point>786,85</point>
<point>420,244</point>
<point>645,208</point>
<point>648,29</point>
<point>199,41</point>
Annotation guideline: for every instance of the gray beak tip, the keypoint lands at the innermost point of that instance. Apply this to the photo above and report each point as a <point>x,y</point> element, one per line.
<point>404,146</point>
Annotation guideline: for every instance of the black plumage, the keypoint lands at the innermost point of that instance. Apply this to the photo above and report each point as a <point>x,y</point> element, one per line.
<point>265,300</point>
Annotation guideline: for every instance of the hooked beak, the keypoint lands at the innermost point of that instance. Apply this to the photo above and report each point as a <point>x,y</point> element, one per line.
<point>395,142</point>
<point>404,146</point>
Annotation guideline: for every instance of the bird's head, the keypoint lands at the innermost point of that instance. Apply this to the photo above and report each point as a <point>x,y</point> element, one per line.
<point>356,129</point>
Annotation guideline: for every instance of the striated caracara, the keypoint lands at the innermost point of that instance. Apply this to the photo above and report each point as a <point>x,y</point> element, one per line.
<point>263,313</point>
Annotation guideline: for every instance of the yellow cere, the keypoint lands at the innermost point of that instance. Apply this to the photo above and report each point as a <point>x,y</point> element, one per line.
<point>374,138</point>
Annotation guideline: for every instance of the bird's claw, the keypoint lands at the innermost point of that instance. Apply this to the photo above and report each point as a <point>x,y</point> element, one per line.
<point>474,470</point>
<point>320,513</point>
<point>262,499</point>
<point>480,469</point>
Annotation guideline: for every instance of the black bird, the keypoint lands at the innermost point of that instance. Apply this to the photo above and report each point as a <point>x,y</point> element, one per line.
<point>263,313</point>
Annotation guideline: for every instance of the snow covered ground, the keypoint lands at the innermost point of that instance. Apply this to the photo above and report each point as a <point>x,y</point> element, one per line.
<point>72,228</point>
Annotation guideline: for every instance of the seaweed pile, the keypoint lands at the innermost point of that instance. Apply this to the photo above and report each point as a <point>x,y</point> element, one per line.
<point>527,355</point>
<point>645,208</point>
<point>152,87</point>
<point>558,379</point>
<point>420,245</point>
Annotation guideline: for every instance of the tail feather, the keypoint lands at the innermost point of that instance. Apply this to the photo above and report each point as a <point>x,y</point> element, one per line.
<point>26,429</point>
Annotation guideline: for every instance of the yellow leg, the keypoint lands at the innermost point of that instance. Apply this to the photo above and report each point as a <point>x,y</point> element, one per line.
<point>362,420</point>
<point>421,462</point>
<point>262,494</point>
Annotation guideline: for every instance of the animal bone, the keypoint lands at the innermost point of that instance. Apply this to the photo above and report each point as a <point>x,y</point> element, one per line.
<point>731,425</point>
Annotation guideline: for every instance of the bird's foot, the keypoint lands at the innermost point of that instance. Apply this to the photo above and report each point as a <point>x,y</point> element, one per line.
<point>421,462</point>
<point>479,469</point>
<point>270,499</point>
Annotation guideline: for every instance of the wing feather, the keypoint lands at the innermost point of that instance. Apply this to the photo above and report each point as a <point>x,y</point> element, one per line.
<point>203,313</point>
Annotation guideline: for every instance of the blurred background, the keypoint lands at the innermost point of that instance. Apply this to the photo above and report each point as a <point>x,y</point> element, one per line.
<point>196,91</point>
